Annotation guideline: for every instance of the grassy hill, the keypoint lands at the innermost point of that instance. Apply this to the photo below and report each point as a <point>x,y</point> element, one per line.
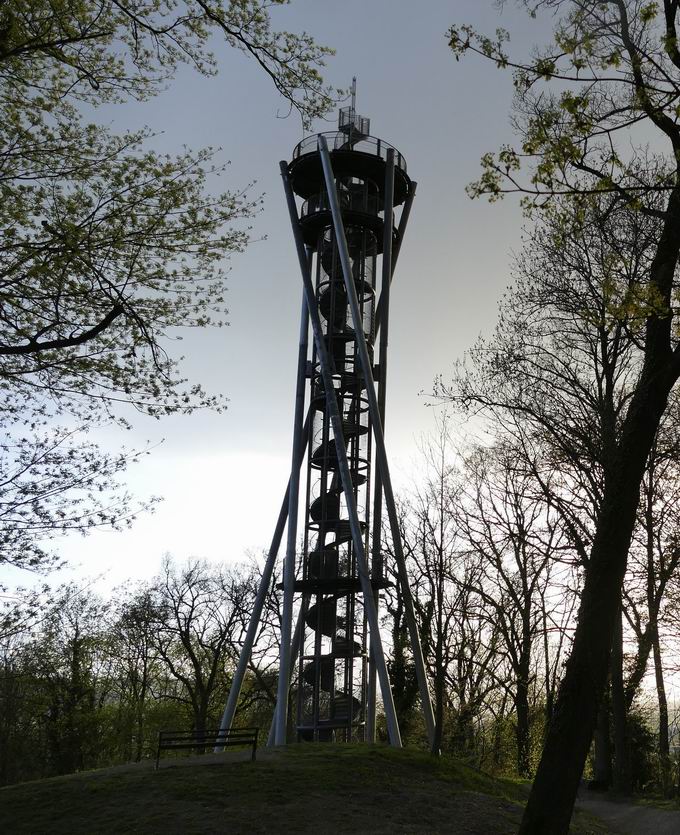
<point>303,788</point>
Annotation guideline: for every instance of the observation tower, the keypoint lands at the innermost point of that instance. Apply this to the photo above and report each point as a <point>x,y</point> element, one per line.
<point>354,196</point>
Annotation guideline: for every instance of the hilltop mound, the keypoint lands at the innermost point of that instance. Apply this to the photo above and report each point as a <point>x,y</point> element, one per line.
<point>303,788</point>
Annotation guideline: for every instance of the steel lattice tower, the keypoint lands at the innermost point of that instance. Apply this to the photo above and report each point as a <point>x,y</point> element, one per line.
<point>347,242</point>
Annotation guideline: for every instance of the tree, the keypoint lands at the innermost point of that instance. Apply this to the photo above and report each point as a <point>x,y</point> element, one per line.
<point>136,660</point>
<point>86,682</point>
<point>56,482</point>
<point>617,63</point>
<point>401,666</point>
<point>461,638</point>
<point>199,614</point>
<point>67,681</point>
<point>515,538</point>
<point>433,550</point>
<point>106,246</point>
<point>460,649</point>
<point>655,556</point>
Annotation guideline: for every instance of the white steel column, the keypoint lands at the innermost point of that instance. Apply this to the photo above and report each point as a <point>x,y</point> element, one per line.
<point>289,564</point>
<point>377,512</point>
<point>294,649</point>
<point>265,582</point>
<point>343,466</point>
<point>381,454</point>
<point>386,279</point>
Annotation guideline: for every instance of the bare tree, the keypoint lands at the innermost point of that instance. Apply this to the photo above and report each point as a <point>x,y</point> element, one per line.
<point>434,554</point>
<point>616,64</point>
<point>653,567</point>
<point>197,609</point>
<point>514,537</point>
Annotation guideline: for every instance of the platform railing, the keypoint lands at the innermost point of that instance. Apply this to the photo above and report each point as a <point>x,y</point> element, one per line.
<point>337,141</point>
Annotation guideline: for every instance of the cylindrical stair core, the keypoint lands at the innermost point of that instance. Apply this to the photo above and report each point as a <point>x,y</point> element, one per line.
<point>332,665</point>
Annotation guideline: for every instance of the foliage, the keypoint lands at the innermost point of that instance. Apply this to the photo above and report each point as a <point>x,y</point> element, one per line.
<point>107,244</point>
<point>611,68</point>
<point>642,751</point>
<point>107,247</point>
<point>604,135</point>
<point>86,682</point>
<point>56,482</point>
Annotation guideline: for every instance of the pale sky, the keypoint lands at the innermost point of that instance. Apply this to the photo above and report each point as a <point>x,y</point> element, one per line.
<point>223,476</point>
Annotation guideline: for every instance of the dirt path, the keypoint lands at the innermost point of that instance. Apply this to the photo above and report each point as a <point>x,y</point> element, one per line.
<point>628,819</point>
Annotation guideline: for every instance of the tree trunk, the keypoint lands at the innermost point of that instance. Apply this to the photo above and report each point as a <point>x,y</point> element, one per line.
<point>402,671</point>
<point>549,693</point>
<point>439,687</point>
<point>552,797</point>
<point>551,801</point>
<point>602,768</point>
<point>200,721</point>
<point>464,733</point>
<point>522,729</point>
<point>664,750</point>
<point>139,747</point>
<point>621,781</point>
<point>497,757</point>
<point>439,680</point>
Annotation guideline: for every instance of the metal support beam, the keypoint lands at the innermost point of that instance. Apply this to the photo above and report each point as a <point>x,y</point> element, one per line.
<point>381,454</point>
<point>343,466</point>
<point>265,583</point>
<point>289,564</point>
<point>403,223</point>
<point>386,280</point>
<point>381,309</point>
<point>294,649</point>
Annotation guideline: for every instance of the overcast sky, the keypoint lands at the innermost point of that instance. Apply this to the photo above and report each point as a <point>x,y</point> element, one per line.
<point>223,476</point>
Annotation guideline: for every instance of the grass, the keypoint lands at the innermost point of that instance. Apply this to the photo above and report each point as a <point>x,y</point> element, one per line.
<point>656,801</point>
<point>304,788</point>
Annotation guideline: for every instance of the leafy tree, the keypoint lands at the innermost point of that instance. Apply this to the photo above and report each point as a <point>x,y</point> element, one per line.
<point>616,64</point>
<point>56,482</point>
<point>86,682</point>
<point>21,609</point>
<point>136,661</point>
<point>106,246</point>
<point>20,755</point>
<point>66,682</point>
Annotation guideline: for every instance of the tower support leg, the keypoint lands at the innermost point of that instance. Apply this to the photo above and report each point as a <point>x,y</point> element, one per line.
<point>289,564</point>
<point>403,223</point>
<point>381,455</point>
<point>383,311</point>
<point>294,649</point>
<point>386,279</point>
<point>265,582</point>
<point>343,467</point>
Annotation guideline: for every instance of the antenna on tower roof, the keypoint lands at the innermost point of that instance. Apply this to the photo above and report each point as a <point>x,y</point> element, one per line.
<point>356,127</point>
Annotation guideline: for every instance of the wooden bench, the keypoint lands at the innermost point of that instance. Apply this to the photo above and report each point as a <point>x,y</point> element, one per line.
<point>176,740</point>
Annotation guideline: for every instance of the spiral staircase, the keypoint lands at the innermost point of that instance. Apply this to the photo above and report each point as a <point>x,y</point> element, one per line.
<point>332,680</point>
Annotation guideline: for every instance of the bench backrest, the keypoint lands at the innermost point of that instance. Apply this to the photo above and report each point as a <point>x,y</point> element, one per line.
<point>243,736</point>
